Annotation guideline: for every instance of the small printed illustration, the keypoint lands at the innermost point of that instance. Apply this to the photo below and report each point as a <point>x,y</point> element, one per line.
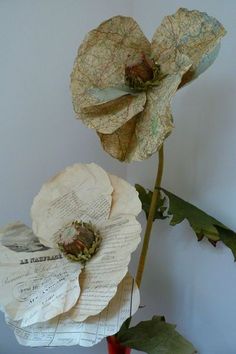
<point>19,239</point>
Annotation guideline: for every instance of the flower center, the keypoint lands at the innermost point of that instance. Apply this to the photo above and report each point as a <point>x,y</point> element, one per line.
<point>79,241</point>
<point>142,73</point>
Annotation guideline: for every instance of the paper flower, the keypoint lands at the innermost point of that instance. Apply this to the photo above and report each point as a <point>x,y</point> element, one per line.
<point>66,292</point>
<point>122,84</point>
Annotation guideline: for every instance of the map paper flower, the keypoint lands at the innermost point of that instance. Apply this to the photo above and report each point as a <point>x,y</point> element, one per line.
<point>65,282</point>
<point>122,84</point>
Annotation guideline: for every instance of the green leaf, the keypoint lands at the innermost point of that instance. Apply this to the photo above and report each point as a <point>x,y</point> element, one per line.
<point>203,224</point>
<point>228,237</point>
<point>124,327</point>
<point>146,197</point>
<point>155,337</point>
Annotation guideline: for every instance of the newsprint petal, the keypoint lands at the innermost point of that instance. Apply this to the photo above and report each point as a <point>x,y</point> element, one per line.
<point>63,331</point>
<point>80,192</point>
<point>35,286</point>
<point>120,237</point>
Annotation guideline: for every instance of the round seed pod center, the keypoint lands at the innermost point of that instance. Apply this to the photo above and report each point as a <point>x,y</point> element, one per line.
<point>141,74</point>
<point>79,241</point>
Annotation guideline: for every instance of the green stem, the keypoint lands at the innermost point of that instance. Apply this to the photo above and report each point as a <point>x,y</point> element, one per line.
<point>152,210</point>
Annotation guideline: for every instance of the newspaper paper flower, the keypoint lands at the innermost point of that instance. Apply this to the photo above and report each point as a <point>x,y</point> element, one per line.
<point>122,84</point>
<point>65,282</point>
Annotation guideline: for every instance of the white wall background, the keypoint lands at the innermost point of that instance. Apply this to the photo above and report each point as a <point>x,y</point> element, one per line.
<point>192,284</point>
<point>39,134</point>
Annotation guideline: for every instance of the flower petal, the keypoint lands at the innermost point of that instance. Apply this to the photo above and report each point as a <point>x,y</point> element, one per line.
<point>107,94</point>
<point>62,330</point>
<point>120,143</point>
<point>155,123</point>
<point>17,241</point>
<point>192,33</point>
<point>103,273</point>
<point>101,63</point>
<point>40,288</point>
<point>80,192</point>
<point>125,198</point>
<point>109,116</point>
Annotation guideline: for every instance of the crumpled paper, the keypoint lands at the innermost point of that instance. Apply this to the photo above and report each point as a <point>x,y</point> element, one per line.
<point>41,286</point>
<point>132,125</point>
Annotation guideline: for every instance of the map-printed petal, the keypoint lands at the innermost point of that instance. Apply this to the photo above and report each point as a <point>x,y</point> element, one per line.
<point>192,33</point>
<point>108,117</point>
<point>155,123</point>
<point>120,143</point>
<point>101,63</point>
